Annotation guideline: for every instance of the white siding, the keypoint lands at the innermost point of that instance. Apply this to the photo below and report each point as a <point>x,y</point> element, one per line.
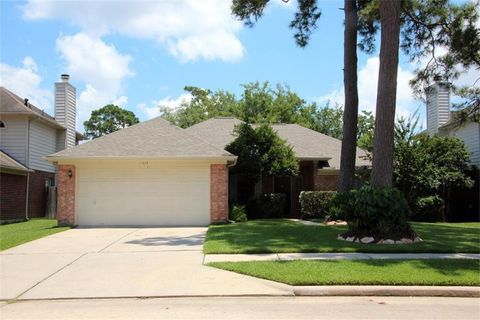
<point>13,139</point>
<point>60,140</point>
<point>470,134</point>
<point>43,141</point>
<point>438,106</point>
<point>65,110</point>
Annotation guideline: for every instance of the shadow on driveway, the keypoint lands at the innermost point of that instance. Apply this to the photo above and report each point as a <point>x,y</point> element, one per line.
<point>193,240</point>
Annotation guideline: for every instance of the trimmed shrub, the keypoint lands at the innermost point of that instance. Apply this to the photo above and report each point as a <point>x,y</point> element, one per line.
<point>428,209</point>
<point>381,213</point>
<point>238,214</point>
<point>271,205</point>
<point>339,204</point>
<point>314,204</point>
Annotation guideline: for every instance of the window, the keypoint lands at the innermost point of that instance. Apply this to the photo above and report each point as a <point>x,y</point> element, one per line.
<point>3,124</point>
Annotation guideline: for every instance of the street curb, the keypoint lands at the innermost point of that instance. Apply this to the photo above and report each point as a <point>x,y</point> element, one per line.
<point>397,291</point>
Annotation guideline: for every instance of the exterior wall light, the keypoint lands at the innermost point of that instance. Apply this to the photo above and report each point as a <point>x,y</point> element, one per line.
<point>69,173</point>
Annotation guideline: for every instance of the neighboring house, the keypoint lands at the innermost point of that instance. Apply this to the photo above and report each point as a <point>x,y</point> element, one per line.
<point>152,173</point>
<point>156,174</point>
<point>442,121</point>
<point>27,135</point>
<point>464,204</point>
<point>317,153</point>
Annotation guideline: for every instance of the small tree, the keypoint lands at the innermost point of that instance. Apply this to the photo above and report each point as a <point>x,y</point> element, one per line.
<point>427,166</point>
<point>108,119</point>
<point>261,152</point>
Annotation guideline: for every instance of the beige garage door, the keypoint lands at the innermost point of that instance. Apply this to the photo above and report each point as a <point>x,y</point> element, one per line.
<point>143,193</point>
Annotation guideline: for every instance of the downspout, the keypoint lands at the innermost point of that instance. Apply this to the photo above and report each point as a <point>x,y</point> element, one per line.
<point>27,161</point>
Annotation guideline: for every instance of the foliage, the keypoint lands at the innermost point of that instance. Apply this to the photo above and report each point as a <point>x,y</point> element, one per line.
<point>262,153</point>
<point>381,213</point>
<point>238,213</point>
<point>260,103</point>
<point>428,209</point>
<point>108,119</point>
<point>339,204</point>
<point>428,165</point>
<point>304,21</point>
<point>443,33</point>
<point>328,120</point>
<point>314,204</point>
<point>271,205</point>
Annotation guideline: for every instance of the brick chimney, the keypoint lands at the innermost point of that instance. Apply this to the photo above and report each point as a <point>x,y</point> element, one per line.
<point>65,111</point>
<point>438,106</point>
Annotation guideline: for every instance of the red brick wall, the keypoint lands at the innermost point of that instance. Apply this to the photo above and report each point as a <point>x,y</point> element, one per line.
<point>37,195</point>
<point>66,195</point>
<point>218,193</point>
<point>12,195</point>
<point>326,182</point>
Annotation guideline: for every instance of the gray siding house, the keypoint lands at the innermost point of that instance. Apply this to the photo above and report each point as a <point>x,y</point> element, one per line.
<point>27,135</point>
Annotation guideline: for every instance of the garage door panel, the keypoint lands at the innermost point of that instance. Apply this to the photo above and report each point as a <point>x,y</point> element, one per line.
<point>159,196</point>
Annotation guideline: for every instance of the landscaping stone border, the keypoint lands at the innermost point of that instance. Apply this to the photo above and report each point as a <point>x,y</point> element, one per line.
<point>371,240</point>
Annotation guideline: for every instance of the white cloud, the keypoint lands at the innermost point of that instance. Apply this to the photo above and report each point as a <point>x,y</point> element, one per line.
<point>220,45</point>
<point>367,90</point>
<point>25,81</point>
<point>153,110</point>
<point>190,29</point>
<point>93,61</point>
<point>100,66</point>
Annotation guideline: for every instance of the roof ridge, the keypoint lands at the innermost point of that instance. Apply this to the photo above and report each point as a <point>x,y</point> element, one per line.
<point>184,131</point>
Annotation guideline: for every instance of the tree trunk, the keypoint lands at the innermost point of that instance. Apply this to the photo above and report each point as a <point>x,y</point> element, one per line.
<point>382,170</point>
<point>350,114</point>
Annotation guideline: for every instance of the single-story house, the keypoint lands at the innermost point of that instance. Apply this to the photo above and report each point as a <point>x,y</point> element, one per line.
<point>318,155</point>
<point>157,174</point>
<point>152,173</point>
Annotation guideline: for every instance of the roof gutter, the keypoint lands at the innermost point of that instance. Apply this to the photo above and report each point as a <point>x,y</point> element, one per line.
<point>96,158</point>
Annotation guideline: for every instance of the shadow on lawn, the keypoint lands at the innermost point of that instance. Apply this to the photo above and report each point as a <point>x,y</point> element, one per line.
<point>263,236</point>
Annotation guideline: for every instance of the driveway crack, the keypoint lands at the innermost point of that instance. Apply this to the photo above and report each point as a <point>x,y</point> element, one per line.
<point>48,277</point>
<point>115,241</point>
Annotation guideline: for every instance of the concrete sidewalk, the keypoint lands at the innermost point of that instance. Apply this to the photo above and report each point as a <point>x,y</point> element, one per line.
<point>334,256</point>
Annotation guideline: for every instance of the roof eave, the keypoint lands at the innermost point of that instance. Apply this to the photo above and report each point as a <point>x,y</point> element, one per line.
<point>53,158</point>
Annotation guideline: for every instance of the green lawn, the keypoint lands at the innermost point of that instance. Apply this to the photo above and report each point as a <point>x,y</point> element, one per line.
<point>13,234</point>
<point>263,236</point>
<point>362,272</point>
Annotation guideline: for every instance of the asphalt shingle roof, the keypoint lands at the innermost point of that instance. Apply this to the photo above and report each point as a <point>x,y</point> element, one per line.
<point>10,103</point>
<point>156,138</point>
<point>307,143</point>
<point>7,162</point>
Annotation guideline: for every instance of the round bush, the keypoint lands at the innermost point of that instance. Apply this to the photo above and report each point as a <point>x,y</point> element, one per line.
<point>315,204</point>
<point>381,213</point>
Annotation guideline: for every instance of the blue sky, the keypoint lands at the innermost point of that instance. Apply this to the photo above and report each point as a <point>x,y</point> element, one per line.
<point>141,54</point>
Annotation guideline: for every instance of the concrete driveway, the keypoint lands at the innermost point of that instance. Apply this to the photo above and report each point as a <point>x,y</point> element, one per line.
<point>120,262</point>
